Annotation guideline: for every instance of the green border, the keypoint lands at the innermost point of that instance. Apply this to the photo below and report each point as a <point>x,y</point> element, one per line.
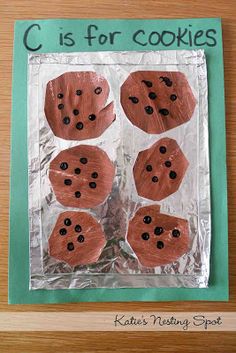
<point>19,243</point>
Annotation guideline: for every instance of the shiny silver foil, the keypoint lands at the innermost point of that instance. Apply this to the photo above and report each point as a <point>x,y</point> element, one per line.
<point>118,265</point>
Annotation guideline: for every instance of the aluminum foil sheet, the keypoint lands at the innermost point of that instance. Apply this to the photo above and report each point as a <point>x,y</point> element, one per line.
<point>118,265</point>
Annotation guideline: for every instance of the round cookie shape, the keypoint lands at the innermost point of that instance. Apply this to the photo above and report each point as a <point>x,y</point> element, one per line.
<point>81,176</point>
<point>75,105</point>
<point>157,101</point>
<point>159,170</point>
<point>157,239</point>
<point>76,239</point>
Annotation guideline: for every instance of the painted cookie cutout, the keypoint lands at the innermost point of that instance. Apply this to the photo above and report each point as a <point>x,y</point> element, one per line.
<point>157,101</point>
<point>159,170</point>
<point>77,238</point>
<point>157,239</point>
<point>81,176</point>
<point>75,105</point>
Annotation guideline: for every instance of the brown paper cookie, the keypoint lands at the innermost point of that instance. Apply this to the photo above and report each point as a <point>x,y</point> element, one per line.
<point>159,170</point>
<point>75,105</point>
<point>157,239</point>
<point>157,101</point>
<point>81,176</point>
<point>77,239</point>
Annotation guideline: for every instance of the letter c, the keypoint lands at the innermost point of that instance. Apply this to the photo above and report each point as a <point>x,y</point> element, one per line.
<point>25,39</point>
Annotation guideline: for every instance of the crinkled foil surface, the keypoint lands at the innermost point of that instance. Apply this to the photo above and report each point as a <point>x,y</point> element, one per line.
<point>118,265</point>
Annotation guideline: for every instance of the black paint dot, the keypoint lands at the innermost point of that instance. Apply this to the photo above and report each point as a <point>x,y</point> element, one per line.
<point>60,95</point>
<point>60,106</point>
<point>77,170</point>
<point>92,117</point>
<point>166,80</point>
<point>67,181</point>
<point>149,168</point>
<point>94,175</point>
<point>92,185</point>
<point>162,149</point>
<point>155,179</point>
<point>148,109</point>
<point>145,236</point>
<point>147,83</point>
<point>98,90</point>
<point>70,246</point>
<point>175,233</point>
<point>77,194</point>
<point>67,222</point>
<point>152,95</point>
<point>160,244</point>
<point>63,231</point>
<point>134,100</point>
<point>168,164</point>
<point>83,160</point>
<point>172,174</point>
<point>78,92</point>
<point>79,125</point>
<point>78,228</point>
<point>164,111</point>
<point>173,97</point>
<point>80,238</point>
<point>158,230</point>
<point>66,120</point>
<point>75,112</point>
<point>147,219</point>
<point>63,165</point>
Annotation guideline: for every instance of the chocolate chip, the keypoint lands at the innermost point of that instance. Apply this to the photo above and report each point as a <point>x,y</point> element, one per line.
<point>63,231</point>
<point>78,92</point>
<point>162,149</point>
<point>67,182</point>
<point>60,95</point>
<point>83,160</point>
<point>149,168</point>
<point>147,219</point>
<point>166,80</point>
<point>77,170</point>
<point>66,120</point>
<point>80,238</point>
<point>134,100</point>
<point>60,106</point>
<point>92,185</point>
<point>158,230</point>
<point>92,117</point>
<point>75,112</point>
<point>77,194</point>
<point>164,111</point>
<point>147,83</point>
<point>98,90</point>
<point>172,174</point>
<point>160,244</point>
<point>148,109</point>
<point>94,175</point>
<point>70,246</point>
<point>175,233</point>
<point>155,179</point>
<point>79,125</point>
<point>145,236</point>
<point>63,165</point>
<point>168,164</point>
<point>152,95</point>
<point>173,97</point>
<point>78,228</point>
<point>67,222</point>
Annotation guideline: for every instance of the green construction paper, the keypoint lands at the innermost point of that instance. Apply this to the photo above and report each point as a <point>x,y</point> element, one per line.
<point>45,36</point>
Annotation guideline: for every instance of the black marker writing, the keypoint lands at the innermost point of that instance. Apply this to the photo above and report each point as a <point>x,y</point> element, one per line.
<point>102,38</point>
<point>25,38</point>
<point>66,39</point>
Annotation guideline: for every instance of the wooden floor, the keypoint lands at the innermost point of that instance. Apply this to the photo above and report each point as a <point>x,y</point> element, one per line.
<point>11,10</point>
